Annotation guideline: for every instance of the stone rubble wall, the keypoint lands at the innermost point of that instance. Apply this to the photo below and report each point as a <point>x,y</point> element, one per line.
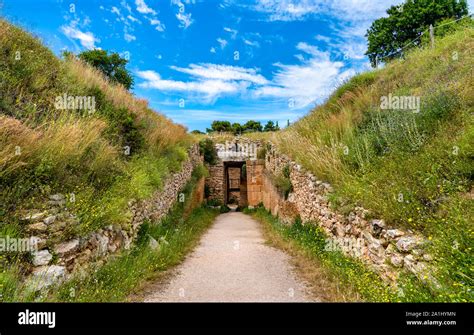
<point>215,181</point>
<point>385,249</point>
<point>77,254</point>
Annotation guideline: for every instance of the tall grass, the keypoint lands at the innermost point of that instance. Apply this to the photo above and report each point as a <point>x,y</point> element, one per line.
<point>45,150</point>
<point>404,166</point>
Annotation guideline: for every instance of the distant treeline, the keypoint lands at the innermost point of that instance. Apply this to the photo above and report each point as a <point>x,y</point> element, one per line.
<point>237,128</point>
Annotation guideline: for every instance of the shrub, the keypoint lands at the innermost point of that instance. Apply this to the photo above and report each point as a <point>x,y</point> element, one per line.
<point>208,150</point>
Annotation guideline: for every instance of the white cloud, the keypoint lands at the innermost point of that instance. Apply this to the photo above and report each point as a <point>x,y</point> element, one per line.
<point>349,10</point>
<point>133,19</point>
<point>222,42</point>
<point>184,19</point>
<point>128,37</point>
<point>312,50</point>
<point>306,83</point>
<point>125,5</point>
<point>209,89</point>
<point>159,26</point>
<point>87,39</point>
<point>213,50</point>
<point>115,10</point>
<point>222,72</point>
<point>252,43</point>
<point>143,8</point>
<point>208,81</point>
<point>322,38</point>
<point>233,32</point>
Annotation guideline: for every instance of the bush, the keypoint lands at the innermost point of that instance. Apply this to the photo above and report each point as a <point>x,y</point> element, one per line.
<point>207,149</point>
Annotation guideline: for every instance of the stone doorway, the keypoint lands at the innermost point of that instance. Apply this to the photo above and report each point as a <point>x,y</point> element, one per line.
<point>235,183</point>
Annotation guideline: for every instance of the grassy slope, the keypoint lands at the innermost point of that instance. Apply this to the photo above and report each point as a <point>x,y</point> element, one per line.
<point>413,169</point>
<point>69,151</point>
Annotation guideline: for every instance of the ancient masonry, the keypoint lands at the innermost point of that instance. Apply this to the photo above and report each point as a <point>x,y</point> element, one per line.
<point>56,261</point>
<point>383,248</point>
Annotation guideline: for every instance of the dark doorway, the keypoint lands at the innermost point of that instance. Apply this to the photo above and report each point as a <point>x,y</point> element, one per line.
<point>235,183</point>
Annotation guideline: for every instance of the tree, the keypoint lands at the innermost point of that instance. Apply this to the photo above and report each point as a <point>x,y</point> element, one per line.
<point>406,22</point>
<point>270,126</point>
<point>208,150</point>
<point>220,126</point>
<point>252,125</point>
<point>237,128</point>
<point>111,65</point>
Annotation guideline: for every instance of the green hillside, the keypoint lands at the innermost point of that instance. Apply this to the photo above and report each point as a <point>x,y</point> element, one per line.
<point>102,156</point>
<point>412,168</point>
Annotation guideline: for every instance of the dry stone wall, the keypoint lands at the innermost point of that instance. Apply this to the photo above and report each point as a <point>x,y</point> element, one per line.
<point>385,249</point>
<point>54,261</point>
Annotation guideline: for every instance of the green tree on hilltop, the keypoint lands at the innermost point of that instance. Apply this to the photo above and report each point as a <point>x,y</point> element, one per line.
<point>406,22</point>
<point>111,65</point>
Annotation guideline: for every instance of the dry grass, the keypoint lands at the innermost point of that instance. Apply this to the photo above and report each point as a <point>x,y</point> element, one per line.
<point>160,131</point>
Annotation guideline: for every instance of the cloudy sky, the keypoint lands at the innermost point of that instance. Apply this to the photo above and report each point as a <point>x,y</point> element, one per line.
<point>198,61</point>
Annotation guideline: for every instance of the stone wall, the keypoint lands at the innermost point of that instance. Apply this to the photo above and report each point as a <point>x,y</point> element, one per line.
<point>215,181</point>
<point>385,249</point>
<point>54,261</point>
<point>254,182</point>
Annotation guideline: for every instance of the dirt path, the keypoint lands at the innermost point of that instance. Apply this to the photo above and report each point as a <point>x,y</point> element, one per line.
<point>232,263</point>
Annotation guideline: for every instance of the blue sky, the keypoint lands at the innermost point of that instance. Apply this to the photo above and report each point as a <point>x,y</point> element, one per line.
<point>199,61</point>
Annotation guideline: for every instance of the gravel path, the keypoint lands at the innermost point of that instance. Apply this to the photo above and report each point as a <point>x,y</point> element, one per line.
<point>232,263</point>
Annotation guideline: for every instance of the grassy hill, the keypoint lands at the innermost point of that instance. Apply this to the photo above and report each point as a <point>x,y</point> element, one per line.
<point>103,157</point>
<point>414,169</point>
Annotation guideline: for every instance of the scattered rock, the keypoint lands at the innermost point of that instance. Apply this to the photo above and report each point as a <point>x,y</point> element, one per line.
<point>391,249</point>
<point>407,243</point>
<point>37,242</point>
<point>66,248</point>
<point>427,257</point>
<point>397,261</point>
<point>39,227</point>
<point>409,263</point>
<point>50,219</point>
<point>46,276</point>
<point>42,257</point>
<point>56,197</point>
<point>368,236</point>
<point>377,226</point>
<point>394,233</point>
<point>338,230</point>
<point>376,251</point>
<point>34,217</point>
<point>153,244</point>
<point>100,243</point>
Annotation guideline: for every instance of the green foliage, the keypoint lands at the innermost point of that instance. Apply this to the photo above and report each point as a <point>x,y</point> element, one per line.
<point>208,150</point>
<point>114,281</point>
<point>406,22</point>
<point>282,181</point>
<point>355,274</point>
<point>176,234</point>
<point>251,126</point>
<point>224,209</point>
<point>219,126</point>
<point>261,152</point>
<point>412,169</point>
<point>237,128</point>
<point>271,126</point>
<point>112,65</point>
<point>213,203</point>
